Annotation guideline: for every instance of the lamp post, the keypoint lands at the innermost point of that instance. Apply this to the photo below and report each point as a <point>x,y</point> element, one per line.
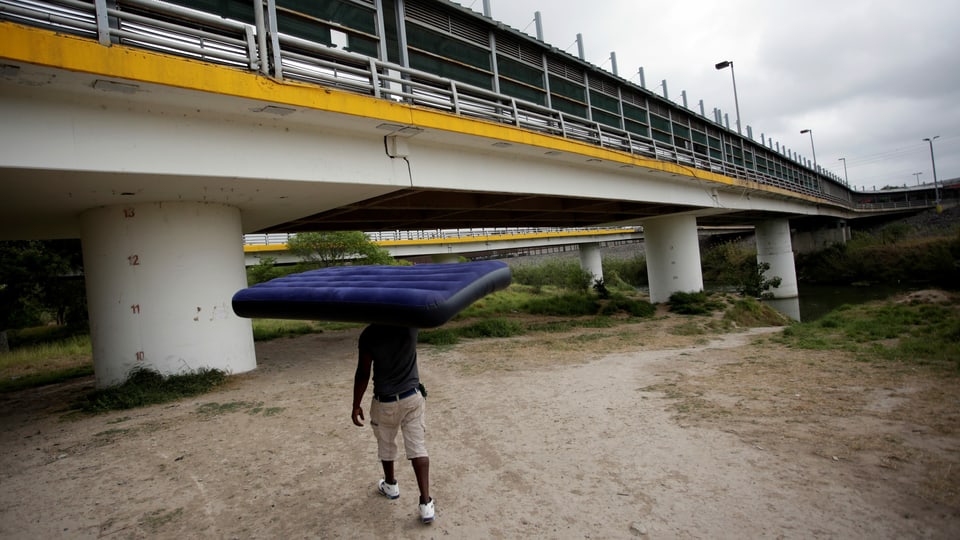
<point>846,180</point>
<point>917,176</point>
<point>736,100</point>
<point>933,162</point>
<point>812,149</point>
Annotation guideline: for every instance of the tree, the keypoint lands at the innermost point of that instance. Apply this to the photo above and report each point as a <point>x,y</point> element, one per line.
<point>41,281</point>
<point>338,248</point>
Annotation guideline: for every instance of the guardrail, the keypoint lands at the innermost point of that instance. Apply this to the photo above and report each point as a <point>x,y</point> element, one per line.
<point>177,30</point>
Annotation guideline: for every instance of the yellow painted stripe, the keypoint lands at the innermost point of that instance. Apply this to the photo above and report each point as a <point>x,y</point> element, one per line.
<point>50,49</point>
<point>252,248</point>
<point>255,248</point>
<point>501,237</point>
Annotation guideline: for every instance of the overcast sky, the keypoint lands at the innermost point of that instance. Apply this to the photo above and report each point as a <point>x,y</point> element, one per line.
<point>870,78</point>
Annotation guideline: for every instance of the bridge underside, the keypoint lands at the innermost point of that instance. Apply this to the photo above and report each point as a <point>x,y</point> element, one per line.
<point>417,209</point>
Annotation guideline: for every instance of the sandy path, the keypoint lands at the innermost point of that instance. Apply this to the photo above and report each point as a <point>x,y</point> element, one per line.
<point>589,448</point>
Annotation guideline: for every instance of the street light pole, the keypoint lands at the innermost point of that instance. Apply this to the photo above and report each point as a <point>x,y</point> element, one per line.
<point>917,176</point>
<point>846,179</point>
<point>814,150</point>
<point>736,100</point>
<point>933,162</point>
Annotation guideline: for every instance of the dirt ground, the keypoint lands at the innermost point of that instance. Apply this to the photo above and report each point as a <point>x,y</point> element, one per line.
<point>651,430</point>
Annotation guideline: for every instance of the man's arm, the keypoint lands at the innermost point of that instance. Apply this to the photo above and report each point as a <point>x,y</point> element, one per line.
<point>360,381</point>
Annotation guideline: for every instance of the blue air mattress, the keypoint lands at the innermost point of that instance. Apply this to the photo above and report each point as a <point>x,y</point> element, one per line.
<point>421,296</point>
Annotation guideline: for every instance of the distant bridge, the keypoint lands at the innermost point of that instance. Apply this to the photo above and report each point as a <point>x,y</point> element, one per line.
<point>448,246</point>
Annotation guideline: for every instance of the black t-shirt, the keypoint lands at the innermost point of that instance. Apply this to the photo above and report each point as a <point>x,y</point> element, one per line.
<point>394,352</point>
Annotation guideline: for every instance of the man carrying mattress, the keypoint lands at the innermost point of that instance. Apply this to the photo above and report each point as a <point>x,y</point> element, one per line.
<point>397,405</point>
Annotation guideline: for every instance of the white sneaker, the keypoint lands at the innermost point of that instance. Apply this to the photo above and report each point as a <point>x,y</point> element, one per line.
<point>427,512</point>
<point>390,491</point>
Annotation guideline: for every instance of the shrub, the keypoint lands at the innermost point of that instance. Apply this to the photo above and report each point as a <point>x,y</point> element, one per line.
<point>632,272</point>
<point>751,313</point>
<point>621,304</point>
<point>696,303</point>
<point>264,270</point>
<point>567,305</point>
<point>438,337</point>
<point>148,387</point>
<point>730,263</point>
<point>492,328</point>
<point>562,273</point>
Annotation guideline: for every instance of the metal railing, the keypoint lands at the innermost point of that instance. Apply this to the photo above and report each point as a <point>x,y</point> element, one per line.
<point>181,31</point>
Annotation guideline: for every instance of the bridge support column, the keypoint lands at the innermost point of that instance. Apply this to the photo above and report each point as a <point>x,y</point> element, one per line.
<point>835,232</point>
<point>672,248</point>
<point>775,248</point>
<point>160,278</point>
<point>591,260</point>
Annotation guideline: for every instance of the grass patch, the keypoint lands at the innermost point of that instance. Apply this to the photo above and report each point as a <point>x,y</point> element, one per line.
<point>565,305</point>
<point>561,273</point>
<point>748,312</point>
<point>41,364</point>
<point>268,329</point>
<point>696,303</point>
<point>216,409</point>
<point>689,328</point>
<point>44,378</point>
<point>209,410</point>
<point>497,328</point>
<point>439,337</point>
<point>147,387</point>
<point>43,335</point>
<point>618,303</point>
<point>560,325</point>
<point>912,334</point>
<point>509,300</point>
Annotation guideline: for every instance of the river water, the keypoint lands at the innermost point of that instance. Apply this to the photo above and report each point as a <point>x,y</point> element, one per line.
<point>818,300</point>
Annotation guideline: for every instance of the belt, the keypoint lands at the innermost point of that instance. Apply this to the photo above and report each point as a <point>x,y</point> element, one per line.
<point>389,398</point>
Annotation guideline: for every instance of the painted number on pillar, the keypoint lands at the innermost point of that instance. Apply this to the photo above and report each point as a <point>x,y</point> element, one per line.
<point>135,308</point>
<point>134,260</point>
<point>140,356</point>
<point>128,212</point>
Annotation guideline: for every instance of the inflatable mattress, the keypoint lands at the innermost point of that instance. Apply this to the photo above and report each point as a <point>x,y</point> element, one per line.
<point>421,296</point>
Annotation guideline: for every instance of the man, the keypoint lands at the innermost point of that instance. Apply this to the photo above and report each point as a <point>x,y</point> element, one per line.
<point>397,404</point>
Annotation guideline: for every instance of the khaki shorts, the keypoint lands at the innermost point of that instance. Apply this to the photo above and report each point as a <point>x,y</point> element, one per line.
<point>406,415</point>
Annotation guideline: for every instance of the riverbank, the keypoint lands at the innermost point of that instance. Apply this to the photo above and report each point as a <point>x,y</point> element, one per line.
<point>660,428</point>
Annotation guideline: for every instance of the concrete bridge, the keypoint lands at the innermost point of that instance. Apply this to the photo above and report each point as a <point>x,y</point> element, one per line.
<point>448,246</point>
<point>160,132</point>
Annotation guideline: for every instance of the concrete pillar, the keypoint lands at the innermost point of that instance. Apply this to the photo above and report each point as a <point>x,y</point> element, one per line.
<point>673,256</point>
<point>444,258</point>
<point>774,247</point>
<point>591,260</point>
<point>160,278</point>
<point>836,232</point>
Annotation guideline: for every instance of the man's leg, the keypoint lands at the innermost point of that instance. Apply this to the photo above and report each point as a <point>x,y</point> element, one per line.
<point>421,468</point>
<point>383,420</point>
<point>388,472</point>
